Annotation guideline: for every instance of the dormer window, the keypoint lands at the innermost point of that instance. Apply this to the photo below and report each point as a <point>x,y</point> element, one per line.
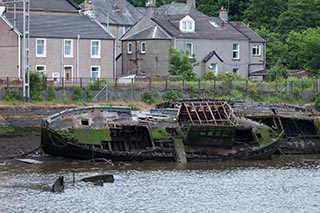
<point>187,24</point>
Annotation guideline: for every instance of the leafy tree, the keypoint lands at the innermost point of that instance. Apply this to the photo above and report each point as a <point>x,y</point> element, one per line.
<point>275,48</point>
<point>300,15</point>
<point>264,13</point>
<point>277,72</point>
<point>293,57</point>
<point>310,49</point>
<point>181,64</point>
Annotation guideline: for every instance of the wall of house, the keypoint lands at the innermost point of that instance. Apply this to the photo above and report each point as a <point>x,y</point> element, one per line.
<point>202,47</point>
<point>154,62</point>
<point>257,62</point>
<point>80,63</point>
<point>9,51</point>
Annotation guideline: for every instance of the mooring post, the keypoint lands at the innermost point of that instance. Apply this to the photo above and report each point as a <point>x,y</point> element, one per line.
<point>180,151</point>
<point>73,178</point>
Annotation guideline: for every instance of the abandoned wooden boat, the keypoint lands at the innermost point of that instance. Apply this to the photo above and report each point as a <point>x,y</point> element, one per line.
<point>301,124</point>
<point>191,131</point>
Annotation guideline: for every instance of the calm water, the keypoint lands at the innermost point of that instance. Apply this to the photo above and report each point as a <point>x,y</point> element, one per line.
<point>285,184</point>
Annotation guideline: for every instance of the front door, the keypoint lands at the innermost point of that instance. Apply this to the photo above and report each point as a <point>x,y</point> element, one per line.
<point>68,75</point>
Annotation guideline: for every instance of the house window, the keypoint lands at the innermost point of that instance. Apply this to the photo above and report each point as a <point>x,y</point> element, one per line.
<point>236,51</point>
<point>95,72</point>
<point>41,68</point>
<point>187,24</point>
<point>95,49</point>
<point>125,29</point>
<point>68,48</point>
<point>214,68</point>
<point>256,50</point>
<point>143,48</point>
<point>40,47</point>
<point>129,48</point>
<point>189,48</point>
<point>235,71</point>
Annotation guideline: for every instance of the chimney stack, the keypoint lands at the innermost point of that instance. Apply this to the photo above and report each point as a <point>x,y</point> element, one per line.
<point>223,14</point>
<point>121,4</point>
<point>89,8</point>
<point>150,7</point>
<point>192,2</point>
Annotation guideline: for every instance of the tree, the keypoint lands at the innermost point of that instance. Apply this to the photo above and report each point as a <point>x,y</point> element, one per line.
<point>300,15</point>
<point>293,57</point>
<point>264,13</point>
<point>181,64</point>
<point>310,50</point>
<point>277,72</point>
<point>275,48</point>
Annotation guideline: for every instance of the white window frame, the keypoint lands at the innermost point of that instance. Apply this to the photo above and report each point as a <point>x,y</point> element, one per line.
<point>187,24</point>
<point>44,54</point>
<point>143,47</point>
<point>256,50</point>
<point>99,72</point>
<point>44,68</point>
<point>129,47</point>
<point>214,68</point>
<point>190,49</point>
<point>235,51</point>
<point>71,48</point>
<point>98,54</point>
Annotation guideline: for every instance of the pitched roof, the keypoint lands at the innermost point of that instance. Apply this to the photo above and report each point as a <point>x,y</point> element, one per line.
<point>176,9</point>
<point>247,31</point>
<point>52,25</point>
<point>154,33</point>
<point>50,5</point>
<point>203,28</point>
<point>106,11</point>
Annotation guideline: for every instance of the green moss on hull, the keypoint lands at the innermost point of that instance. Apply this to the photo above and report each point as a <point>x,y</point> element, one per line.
<point>91,136</point>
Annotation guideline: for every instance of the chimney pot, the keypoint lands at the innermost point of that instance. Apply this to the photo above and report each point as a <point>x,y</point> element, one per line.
<point>121,4</point>
<point>223,14</point>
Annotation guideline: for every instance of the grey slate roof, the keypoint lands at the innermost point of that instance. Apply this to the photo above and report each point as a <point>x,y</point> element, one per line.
<point>203,29</point>
<point>247,31</point>
<point>176,9</point>
<point>51,25</point>
<point>51,5</point>
<point>107,11</point>
<point>154,33</point>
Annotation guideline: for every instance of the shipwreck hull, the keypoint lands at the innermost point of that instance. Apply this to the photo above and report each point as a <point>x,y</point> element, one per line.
<point>200,131</point>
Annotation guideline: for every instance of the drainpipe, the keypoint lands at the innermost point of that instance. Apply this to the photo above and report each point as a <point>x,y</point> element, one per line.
<point>114,58</point>
<point>19,57</point>
<point>78,56</point>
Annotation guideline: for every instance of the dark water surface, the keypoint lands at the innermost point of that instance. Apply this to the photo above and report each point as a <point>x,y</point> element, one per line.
<point>284,184</point>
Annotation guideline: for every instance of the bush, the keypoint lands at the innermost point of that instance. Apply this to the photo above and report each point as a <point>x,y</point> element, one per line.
<point>12,95</point>
<point>171,95</point>
<point>77,94</point>
<point>37,84</point>
<point>149,97</point>
<point>209,76</point>
<point>51,93</point>
<point>88,94</point>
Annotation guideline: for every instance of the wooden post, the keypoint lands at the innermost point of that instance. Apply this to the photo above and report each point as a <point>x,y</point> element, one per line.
<point>131,88</point>
<point>81,82</point>
<point>182,84</point>
<point>166,85</point>
<point>302,87</point>
<point>150,83</point>
<point>7,82</point>
<point>247,89</point>
<point>180,151</point>
<point>276,85</point>
<point>199,85</point>
<point>214,87</point>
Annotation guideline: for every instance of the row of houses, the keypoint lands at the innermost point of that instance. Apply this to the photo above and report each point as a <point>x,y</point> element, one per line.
<point>112,38</point>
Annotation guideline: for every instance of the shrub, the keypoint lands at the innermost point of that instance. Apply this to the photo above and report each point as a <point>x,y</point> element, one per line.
<point>52,93</point>
<point>37,83</point>
<point>77,94</point>
<point>149,97</point>
<point>209,76</point>
<point>12,95</point>
<point>88,94</point>
<point>171,95</point>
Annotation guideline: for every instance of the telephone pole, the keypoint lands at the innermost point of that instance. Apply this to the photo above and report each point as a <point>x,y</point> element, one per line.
<point>25,50</point>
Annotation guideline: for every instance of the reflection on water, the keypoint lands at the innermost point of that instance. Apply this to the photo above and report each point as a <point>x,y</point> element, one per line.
<point>285,184</point>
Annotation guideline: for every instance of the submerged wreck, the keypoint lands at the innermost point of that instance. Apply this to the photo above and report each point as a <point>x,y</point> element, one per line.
<point>198,130</point>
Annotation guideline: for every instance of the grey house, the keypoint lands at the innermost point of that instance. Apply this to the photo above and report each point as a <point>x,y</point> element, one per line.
<point>219,45</point>
<point>117,16</point>
<point>63,43</point>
